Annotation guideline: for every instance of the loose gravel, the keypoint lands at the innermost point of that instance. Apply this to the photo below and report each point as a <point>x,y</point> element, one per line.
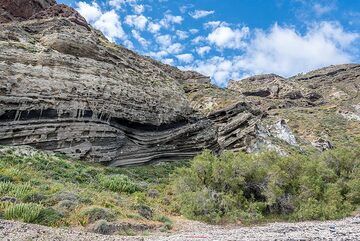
<point>346,229</point>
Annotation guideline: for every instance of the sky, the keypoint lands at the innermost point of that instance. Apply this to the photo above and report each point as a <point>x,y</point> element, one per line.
<point>232,39</point>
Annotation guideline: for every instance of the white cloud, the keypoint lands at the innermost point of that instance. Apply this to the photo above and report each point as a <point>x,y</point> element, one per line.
<point>154,27</point>
<point>164,40</point>
<point>159,54</point>
<point>215,24</point>
<point>225,37</point>
<point>170,19</point>
<point>218,68</point>
<point>186,58</point>
<point>137,21</point>
<point>198,40</point>
<point>107,22</point>
<point>90,12</point>
<point>139,9</point>
<point>182,34</point>
<point>203,50</point>
<point>175,48</point>
<point>284,51</point>
<point>117,4</point>
<point>168,61</point>
<point>200,14</point>
<point>128,44</point>
<point>140,39</point>
<point>194,31</point>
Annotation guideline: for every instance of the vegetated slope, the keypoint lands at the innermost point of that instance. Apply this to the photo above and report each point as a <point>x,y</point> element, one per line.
<point>41,188</point>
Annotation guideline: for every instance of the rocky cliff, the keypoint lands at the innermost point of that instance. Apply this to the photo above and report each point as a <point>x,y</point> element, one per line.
<point>65,88</point>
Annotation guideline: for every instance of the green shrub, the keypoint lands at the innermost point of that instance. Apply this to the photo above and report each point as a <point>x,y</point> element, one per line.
<point>102,227</point>
<point>118,183</point>
<point>94,213</point>
<point>49,217</point>
<point>26,212</point>
<point>252,187</point>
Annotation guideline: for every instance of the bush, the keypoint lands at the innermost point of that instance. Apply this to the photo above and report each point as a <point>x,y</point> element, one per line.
<point>26,212</point>
<point>118,183</point>
<point>49,217</point>
<point>252,187</point>
<point>102,227</point>
<point>93,214</point>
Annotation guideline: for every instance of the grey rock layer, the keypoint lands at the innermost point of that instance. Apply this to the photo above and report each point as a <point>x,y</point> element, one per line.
<point>65,88</point>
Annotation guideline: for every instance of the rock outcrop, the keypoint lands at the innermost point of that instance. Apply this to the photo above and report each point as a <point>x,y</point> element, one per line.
<point>19,10</point>
<point>65,88</point>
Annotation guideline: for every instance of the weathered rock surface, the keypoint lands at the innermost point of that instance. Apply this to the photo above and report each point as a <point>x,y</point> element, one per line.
<point>11,10</point>
<point>65,88</point>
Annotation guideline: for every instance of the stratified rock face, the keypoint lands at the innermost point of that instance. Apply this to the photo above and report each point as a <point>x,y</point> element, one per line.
<point>64,87</point>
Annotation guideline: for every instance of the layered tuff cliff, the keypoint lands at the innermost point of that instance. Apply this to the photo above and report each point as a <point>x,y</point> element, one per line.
<point>65,88</point>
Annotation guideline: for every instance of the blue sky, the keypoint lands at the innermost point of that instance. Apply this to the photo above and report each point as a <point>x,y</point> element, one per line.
<point>232,39</point>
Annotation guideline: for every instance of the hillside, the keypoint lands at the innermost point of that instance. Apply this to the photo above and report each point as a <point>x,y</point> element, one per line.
<point>97,138</point>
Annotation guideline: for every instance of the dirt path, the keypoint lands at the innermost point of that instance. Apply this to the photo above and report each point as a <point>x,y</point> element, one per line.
<point>346,229</point>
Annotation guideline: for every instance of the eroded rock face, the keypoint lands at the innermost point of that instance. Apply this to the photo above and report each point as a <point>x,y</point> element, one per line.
<point>65,88</point>
<point>22,9</point>
<point>68,89</point>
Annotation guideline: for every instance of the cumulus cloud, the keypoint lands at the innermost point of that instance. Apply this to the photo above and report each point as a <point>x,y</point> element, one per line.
<point>185,58</point>
<point>284,51</point>
<point>170,19</point>
<point>137,21</point>
<point>194,31</point>
<point>154,27</point>
<point>225,37</point>
<point>182,34</point>
<point>198,40</point>
<point>107,22</point>
<point>164,40</point>
<point>175,48</point>
<point>167,46</point>
<point>215,24</point>
<point>203,50</point>
<point>200,14</point>
<point>139,38</point>
<point>139,9</point>
<point>218,68</point>
<point>117,4</point>
<point>91,12</point>
<point>168,61</point>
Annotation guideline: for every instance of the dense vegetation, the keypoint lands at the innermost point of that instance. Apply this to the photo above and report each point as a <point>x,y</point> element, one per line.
<point>51,190</point>
<point>254,187</point>
<point>54,191</point>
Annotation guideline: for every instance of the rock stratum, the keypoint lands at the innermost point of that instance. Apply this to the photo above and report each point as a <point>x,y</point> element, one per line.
<point>64,87</point>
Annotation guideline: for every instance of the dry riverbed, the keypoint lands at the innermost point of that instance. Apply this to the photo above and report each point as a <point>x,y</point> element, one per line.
<point>346,229</point>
